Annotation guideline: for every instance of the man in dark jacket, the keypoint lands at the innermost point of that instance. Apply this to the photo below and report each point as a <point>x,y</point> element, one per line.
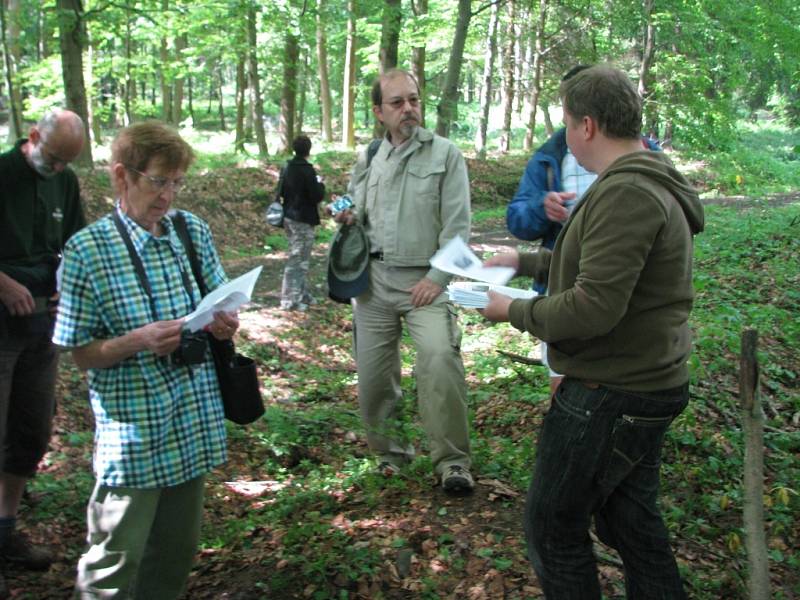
<point>302,191</point>
<point>39,210</point>
<point>616,325</point>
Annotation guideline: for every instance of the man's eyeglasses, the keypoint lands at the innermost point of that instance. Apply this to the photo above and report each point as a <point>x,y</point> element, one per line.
<point>398,103</point>
<point>161,183</point>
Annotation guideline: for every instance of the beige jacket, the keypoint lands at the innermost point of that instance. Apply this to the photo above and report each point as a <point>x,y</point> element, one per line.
<point>428,203</point>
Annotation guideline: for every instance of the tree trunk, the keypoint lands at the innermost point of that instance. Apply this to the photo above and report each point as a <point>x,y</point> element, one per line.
<point>12,54</point>
<point>349,88</point>
<point>289,90</point>
<point>448,108</point>
<point>71,38</point>
<point>190,98</point>
<point>241,93</point>
<point>324,82</point>
<point>536,85</point>
<point>181,43</point>
<point>508,78</point>
<point>220,107</point>
<point>548,124</point>
<point>648,53</point>
<point>91,101</point>
<point>129,93</point>
<point>165,71</point>
<point>753,421</point>
<point>486,83</point>
<point>301,103</point>
<point>420,8</point>
<point>255,87</point>
<point>390,34</point>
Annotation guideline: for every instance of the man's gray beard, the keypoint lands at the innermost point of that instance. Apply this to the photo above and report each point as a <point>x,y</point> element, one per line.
<point>39,165</point>
<point>408,129</point>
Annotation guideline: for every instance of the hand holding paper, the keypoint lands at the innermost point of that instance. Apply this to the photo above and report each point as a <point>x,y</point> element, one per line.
<point>227,298</point>
<point>457,258</point>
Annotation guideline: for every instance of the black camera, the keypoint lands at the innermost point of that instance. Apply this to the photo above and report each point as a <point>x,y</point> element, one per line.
<point>191,350</point>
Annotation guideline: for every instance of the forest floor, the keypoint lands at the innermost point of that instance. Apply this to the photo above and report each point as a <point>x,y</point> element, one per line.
<point>296,512</point>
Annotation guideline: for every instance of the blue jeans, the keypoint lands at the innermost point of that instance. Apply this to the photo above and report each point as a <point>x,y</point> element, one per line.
<point>599,454</point>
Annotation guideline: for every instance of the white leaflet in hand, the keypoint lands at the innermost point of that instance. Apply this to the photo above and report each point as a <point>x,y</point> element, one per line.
<point>457,258</point>
<point>473,295</point>
<point>226,298</point>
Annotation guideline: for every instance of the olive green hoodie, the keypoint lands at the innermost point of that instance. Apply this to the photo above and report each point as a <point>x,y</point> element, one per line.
<point>620,279</point>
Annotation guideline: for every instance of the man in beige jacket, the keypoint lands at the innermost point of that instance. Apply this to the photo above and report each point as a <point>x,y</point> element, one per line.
<point>413,198</point>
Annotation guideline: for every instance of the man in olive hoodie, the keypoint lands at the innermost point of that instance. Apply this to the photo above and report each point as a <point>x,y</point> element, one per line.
<point>620,281</point>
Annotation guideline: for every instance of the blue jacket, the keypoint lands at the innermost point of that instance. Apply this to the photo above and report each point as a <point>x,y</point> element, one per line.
<point>525,216</point>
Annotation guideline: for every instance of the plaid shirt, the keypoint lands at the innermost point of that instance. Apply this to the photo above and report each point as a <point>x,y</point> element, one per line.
<point>574,178</point>
<point>156,425</point>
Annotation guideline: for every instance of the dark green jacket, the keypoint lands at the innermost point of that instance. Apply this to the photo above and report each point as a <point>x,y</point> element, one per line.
<point>37,217</point>
<point>620,279</point>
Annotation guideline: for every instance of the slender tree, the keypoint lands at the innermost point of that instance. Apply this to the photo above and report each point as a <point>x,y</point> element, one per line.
<point>255,85</point>
<point>508,78</point>
<point>448,108</point>
<point>420,9</point>
<point>349,87</point>
<point>486,82</point>
<point>11,52</point>
<point>71,38</point>
<point>289,90</point>
<point>324,81</point>
<point>390,34</point>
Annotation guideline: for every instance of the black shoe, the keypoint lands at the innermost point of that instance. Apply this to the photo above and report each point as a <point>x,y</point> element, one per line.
<point>19,551</point>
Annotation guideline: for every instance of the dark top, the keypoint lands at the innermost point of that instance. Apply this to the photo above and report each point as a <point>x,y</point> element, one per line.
<point>301,191</point>
<point>37,217</point>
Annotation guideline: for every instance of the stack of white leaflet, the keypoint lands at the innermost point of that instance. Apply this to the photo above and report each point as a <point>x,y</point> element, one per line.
<point>470,294</point>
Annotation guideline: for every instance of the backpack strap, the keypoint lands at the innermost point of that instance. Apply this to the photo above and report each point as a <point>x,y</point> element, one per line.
<point>372,150</point>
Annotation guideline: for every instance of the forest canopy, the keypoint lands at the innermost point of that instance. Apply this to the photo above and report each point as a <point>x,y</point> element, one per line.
<point>489,71</point>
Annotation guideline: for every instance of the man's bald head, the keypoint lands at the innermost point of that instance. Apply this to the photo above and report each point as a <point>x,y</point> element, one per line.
<point>55,141</point>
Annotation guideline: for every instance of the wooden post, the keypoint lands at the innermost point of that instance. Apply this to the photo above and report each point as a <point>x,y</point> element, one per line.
<point>753,421</point>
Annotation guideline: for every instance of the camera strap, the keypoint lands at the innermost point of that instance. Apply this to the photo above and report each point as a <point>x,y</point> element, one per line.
<point>138,266</point>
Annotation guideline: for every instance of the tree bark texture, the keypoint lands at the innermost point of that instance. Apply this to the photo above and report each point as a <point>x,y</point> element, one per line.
<point>648,54</point>
<point>420,8</point>
<point>390,34</point>
<point>349,87</point>
<point>255,86</point>
<point>289,90</point>
<point>324,82</point>
<point>753,422</point>
<point>536,84</point>
<point>486,83</point>
<point>448,108</point>
<point>508,78</point>
<point>11,51</point>
<point>241,93</point>
<point>71,39</point>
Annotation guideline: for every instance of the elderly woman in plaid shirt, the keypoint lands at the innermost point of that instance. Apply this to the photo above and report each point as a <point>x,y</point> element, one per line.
<point>159,421</point>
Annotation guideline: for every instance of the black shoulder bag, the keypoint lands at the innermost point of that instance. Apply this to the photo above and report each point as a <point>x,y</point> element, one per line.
<point>238,379</point>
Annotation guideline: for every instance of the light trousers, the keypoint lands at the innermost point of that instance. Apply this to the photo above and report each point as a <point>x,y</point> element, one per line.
<point>142,542</point>
<point>441,388</point>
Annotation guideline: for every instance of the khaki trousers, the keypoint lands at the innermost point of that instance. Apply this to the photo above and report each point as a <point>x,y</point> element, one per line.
<point>441,388</point>
<point>142,542</point>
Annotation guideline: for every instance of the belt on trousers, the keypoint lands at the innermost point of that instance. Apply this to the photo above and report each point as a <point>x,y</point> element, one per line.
<point>376,256</point>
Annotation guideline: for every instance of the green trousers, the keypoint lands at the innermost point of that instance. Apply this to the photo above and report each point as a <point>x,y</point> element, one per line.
<point>141,541</point>
<point>441,388</point>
